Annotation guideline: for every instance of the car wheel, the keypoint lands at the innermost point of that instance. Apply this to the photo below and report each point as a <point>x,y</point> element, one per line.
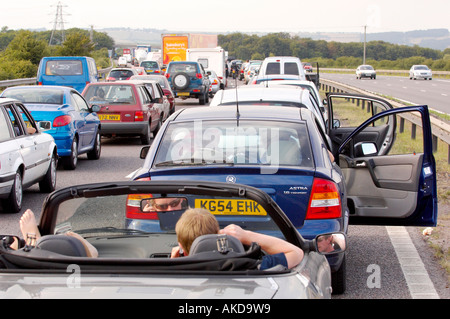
<point>71,161</point>
<point>13,204</point>
<point>338,278</point>
<point>202,99</point>
<point>180,81</point>
<point>94,154</point>
<point>146,138</point>
<point>48,184</point>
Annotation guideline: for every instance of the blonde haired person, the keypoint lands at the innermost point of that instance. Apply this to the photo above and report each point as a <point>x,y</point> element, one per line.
<point>197,222</point>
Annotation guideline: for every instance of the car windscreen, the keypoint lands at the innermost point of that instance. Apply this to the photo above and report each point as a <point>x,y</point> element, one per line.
<point>235,142</point>
<point>110,94</point>
<point>367,67</point>
<point>117,214</point>
<point>63,67</point>
<point>36,96</point>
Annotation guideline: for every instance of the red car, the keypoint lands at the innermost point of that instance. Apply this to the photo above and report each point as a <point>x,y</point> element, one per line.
<point>162,80</point>
<point>127,109</point>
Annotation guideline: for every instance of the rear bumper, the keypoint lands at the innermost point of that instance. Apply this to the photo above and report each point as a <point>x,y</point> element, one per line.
<point>131,128</point>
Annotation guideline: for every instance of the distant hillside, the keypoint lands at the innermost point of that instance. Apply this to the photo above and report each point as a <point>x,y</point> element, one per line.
<point>438,39</point>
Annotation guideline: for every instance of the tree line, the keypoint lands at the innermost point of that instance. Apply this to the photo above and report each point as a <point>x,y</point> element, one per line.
<point>331,54</point>
<point>22,50</point>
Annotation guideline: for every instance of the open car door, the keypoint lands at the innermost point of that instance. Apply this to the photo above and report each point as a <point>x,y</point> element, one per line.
<point>390,171</point>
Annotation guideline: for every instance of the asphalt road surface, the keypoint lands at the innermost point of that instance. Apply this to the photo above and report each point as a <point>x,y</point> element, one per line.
<point>433,93</point>
<point>373,266</point>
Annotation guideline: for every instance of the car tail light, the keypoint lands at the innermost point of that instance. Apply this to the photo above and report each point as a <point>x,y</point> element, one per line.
<point>62,120</point>
<point>109,79</point>
<point>254,81</point>
<point>138,116</point>
<point>167,75</point>
<point>196,90</point>
<point>39,83</point>
<point>198,76</point>
<point>215,81</point>
<point>157,71</point>
<point>133,206</point>
<point>324,202</point>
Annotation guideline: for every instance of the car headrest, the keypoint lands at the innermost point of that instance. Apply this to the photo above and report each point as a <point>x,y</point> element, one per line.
<point>213,242</point>
<point>63,245</point>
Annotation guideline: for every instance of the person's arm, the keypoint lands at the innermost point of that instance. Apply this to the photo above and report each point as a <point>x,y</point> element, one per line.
<point>271,245</point>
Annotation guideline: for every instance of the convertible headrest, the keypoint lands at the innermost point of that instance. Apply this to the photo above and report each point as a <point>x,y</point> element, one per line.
<point>216,243</point>
<point>63,245</point>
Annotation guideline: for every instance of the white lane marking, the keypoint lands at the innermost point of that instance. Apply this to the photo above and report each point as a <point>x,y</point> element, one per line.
<point>419,283</point>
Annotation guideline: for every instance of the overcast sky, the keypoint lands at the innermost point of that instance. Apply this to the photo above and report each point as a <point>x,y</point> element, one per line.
<point>232,15</point>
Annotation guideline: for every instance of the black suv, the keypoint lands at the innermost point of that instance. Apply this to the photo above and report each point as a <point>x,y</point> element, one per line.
<point>188,79</point>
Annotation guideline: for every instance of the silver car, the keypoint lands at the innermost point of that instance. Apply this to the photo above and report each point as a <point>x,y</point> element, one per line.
<point>420,72</point>
<point>137,264</point>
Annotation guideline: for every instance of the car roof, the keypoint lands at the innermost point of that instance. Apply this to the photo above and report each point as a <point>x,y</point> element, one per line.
<point>245,112</point>
<point>263,93</point>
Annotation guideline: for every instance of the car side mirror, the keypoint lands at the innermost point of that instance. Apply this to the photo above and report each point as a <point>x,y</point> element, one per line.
<point>44,125</point>
<point>95,108</point>
<point>365,149</point>
<point>336,123</point>
<point>330,243</point>
<point>144,152</point>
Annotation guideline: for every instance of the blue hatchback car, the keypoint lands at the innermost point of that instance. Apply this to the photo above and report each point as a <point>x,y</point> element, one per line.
<point>75,124</point>
<point>322,180</point>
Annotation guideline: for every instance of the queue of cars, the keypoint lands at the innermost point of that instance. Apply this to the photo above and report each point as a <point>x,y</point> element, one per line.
<point>267,157</point>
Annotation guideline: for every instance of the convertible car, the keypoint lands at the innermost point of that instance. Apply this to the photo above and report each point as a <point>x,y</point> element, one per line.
<point>136,264</point>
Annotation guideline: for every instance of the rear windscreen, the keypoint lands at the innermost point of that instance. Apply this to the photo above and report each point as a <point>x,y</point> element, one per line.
<point>65,67</point>
<point>223,142</point>
<point>291,68</point>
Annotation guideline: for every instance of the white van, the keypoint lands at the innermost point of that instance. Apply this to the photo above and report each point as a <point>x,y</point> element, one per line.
<point>211,59</point>
<point>281,67</point>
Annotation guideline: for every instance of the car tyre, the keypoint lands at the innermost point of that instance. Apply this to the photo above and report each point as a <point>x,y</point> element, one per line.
<point>13,204</point>
<point>48,184</point>
<point>94,154</point>
<point>70,162</point>
<point>146,138</point>
<point>338,279</point>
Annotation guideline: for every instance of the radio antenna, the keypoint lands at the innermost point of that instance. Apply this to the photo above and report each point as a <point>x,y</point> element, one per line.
<point>238,115</point>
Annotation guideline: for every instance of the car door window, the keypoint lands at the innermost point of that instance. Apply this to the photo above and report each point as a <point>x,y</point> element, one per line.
<point>15,121</point>
<point>80,103</point>
<point>30,124</point>
<point>5,133</point>
<point>144,95</point>
<point>348,111</point>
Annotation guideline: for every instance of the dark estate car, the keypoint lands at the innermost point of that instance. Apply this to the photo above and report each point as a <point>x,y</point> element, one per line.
<point>126,109</point>
<point>188,80</point>
<point>285,152</point>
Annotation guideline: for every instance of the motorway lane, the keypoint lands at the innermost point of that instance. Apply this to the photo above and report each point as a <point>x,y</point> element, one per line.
<point>369,247</point>
<point>433,93</point>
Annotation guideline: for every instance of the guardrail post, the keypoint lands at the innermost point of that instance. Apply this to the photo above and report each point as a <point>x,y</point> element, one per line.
<point>413,131</point>
<point>435,143</point>
<point>402,125</point>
